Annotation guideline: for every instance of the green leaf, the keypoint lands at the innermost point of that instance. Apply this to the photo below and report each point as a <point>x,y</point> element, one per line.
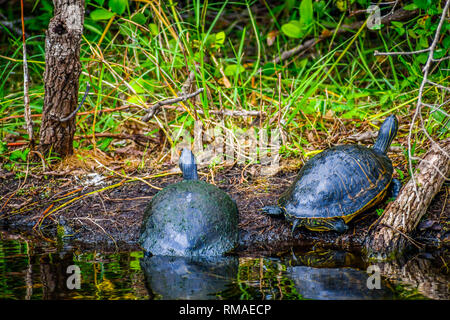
<point>232,69</point>
<point>138,85</point>
<point>137,100</point>
<point>104,144</point>
<point>292,29</point>
<point>101,14</point>
<point>400,31</point>
<point>3,147</point>
<point>153,29</point>
<point>100,2</point>
<point>410,7</point>
<point>139,18</point>
<point>412,34</point>
<point>422,58</point>
<point>400,173</point>
<point>306,12</point>
<point>220,39</point>
<point>423,42</point>
<point>422,4</point>
<point>118,6</point>
<point>270,68</point>
<point>439,53</point>
<point>397,24</point>
<point>19,155</point>
<point>446,42</point>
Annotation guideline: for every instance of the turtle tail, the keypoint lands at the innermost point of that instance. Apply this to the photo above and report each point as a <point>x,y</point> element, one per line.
<point>188,165</point>
<point>387,133</point>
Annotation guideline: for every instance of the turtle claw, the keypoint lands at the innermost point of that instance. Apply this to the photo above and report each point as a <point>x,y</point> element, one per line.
<point>294,225</point>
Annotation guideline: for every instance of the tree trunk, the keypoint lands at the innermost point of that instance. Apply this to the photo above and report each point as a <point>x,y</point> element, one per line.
<point>62,72</point>
<point>390,237</point>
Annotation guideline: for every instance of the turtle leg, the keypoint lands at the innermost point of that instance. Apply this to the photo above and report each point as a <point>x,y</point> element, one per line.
<point>395,187</point>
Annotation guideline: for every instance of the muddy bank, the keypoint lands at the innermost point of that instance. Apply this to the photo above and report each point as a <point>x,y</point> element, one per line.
<point>98,211</point>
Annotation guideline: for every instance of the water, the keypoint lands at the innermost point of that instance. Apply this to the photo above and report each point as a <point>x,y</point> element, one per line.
<point>30,270</point>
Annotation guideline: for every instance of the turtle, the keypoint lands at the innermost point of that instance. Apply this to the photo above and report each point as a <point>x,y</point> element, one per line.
<point>190,218</point>
<point>339,183</point>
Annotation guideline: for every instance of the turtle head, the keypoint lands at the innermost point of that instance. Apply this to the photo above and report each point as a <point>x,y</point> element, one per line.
<point>339,226</point>
<point>387,133</point>
<point>187,165</point>
<point>273,211</point>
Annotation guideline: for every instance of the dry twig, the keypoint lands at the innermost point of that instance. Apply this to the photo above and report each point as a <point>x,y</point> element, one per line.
<point>150,112</point>
<point>26,81</point>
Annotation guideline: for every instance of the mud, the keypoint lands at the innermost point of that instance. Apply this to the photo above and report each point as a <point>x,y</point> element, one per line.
<point>111,218</point>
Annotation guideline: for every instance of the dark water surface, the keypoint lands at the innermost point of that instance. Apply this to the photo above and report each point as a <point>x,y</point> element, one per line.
<point>30,270</point>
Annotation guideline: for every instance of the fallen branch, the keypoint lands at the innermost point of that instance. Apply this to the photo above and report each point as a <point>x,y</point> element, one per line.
<point>226,112</point>
<point>404,214</point>
<point>150,112</point>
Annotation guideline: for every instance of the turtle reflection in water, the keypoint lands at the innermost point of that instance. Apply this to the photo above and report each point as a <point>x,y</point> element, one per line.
<point>190,218</point>
<point>339,183</point>
<point>330,275</point>
<point>189,278</point>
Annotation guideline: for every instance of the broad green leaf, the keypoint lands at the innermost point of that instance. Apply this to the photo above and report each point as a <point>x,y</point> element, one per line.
<point>410,7</point>
<point>153,29</point>
<point>101,14</point>
<point>446,42</point>
<point>232,69</point>
<point>138,85</point>
<point>422,4</point>
<point>139,18</point>
<point>412,34</point>
<point>118,6</point>
<point>100,2</point>
<point>422,58</point>
<point>19,155</point>
<point>292,29</point>
<point>220,39</point>
<point>423,41</point>
<point>136,99</point>
<point>439,53</point>
<point>306,12</point>
<point>397,24</point>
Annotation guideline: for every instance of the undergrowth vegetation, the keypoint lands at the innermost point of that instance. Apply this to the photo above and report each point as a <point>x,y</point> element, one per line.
<point>136,53</point>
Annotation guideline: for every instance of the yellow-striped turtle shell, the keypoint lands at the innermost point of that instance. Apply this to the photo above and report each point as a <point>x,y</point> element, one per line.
<point>339,183</point>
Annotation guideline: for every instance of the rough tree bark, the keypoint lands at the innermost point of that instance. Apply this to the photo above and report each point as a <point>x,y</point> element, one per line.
<point>62,72</point>
<point>389,238</point>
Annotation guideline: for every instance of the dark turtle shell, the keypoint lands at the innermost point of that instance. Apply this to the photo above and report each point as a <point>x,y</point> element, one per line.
<point>339,182</point>
<point>190,218</point>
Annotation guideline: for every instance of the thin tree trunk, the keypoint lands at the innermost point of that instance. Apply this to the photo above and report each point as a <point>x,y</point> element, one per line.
<point>390,236</point>
<point>62,72</point>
